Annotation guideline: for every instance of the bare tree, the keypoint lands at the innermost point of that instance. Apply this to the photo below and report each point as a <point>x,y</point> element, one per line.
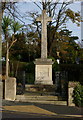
<point>60,14</point>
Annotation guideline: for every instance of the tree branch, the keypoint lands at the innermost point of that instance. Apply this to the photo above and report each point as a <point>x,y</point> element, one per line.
<point>12,43</point>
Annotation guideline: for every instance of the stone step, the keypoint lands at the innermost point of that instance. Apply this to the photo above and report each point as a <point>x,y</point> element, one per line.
<point>40,99</point>
<point>39,93</point>
<point>36,97</point>
<point>37,88</point>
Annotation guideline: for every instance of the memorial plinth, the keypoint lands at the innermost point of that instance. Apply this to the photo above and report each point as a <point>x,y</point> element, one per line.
<point>43,71</point>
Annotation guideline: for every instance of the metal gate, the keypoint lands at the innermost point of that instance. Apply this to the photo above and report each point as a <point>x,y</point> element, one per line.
<point>61,84</point>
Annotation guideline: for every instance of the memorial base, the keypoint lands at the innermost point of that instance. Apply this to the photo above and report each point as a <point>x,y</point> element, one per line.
<point>43,71</point>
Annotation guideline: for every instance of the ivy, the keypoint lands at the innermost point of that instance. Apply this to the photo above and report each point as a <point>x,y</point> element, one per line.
<point>78,95</point>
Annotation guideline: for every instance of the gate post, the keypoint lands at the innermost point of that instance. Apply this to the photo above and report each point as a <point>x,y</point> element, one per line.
<point>10,88</point>
<point>71,86</point>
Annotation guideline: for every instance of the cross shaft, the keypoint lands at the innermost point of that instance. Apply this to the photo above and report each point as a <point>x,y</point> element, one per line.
<point>44,19</point>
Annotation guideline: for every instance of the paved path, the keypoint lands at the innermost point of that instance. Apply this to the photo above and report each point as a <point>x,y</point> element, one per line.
<point>27,110</point>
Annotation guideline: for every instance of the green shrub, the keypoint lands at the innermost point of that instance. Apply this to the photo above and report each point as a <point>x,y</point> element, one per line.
<point>30,78</point>
<point>30,67</point>
<point>30,73</point>
<point>78,95</point>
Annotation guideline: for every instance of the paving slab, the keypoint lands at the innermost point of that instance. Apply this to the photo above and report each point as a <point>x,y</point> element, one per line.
<point>29,109</point>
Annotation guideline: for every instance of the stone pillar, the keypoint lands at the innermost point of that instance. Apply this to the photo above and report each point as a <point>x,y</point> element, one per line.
<point>70,98</point>
<point>1,91</point>
<point>1,97</point>
<point>10,89</point>
<point>71,86</point>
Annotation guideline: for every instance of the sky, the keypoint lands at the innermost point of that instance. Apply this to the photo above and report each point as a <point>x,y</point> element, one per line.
<point>30,6</point>
<point>25,7</point>
<point>82,22</point>
<point>72,26</point>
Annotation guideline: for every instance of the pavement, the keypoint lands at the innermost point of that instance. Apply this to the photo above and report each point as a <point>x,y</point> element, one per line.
<point>24,110</point>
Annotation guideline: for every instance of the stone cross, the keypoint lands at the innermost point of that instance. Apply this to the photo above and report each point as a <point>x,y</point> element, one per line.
<point>44,19</point>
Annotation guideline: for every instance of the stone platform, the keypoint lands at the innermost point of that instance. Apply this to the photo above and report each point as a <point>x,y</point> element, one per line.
<point>40,88</point>
<point>44,94</point>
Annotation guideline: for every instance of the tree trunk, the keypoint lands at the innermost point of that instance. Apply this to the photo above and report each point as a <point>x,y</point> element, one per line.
<point>7,61</point>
